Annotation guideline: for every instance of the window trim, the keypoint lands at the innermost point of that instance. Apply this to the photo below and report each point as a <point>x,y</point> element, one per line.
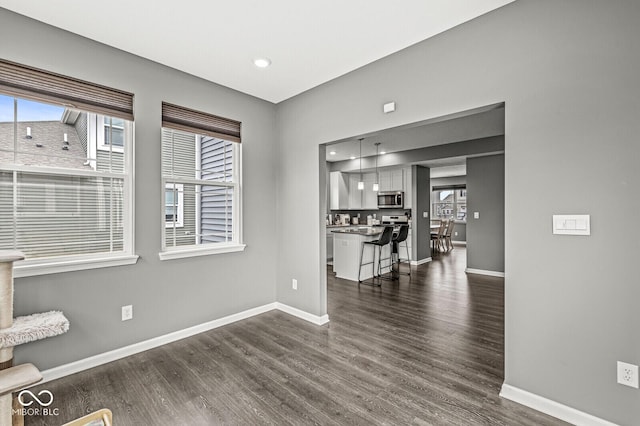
<point>79,262</point>
<point>194,250</point>
<point>60,264</point>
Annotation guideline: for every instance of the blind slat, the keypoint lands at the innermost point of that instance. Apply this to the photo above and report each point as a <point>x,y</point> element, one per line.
<point>188,120</point>
<point>32,83</point>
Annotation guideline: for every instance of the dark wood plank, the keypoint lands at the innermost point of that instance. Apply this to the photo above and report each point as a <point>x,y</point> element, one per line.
<point>424,350</point>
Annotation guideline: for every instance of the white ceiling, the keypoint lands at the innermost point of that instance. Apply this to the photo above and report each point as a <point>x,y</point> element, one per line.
<point>308,42</point>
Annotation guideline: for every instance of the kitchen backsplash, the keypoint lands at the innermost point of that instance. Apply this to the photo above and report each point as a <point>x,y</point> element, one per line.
<point>364,213</point>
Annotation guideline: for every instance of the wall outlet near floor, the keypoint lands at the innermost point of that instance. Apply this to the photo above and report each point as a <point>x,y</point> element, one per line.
<point>127,312</point>
<point>628,374</point>
<point>294,284</point>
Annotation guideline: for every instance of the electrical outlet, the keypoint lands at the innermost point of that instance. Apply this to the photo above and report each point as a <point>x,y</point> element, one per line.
<point>294,283</point>
<point>127,312</point>
<point>628,374</point>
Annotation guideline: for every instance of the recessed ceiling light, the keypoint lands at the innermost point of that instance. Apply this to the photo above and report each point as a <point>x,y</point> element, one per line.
<point>262,62</point>
<point>352,157</point>
<point>383,152</point>
<point>332,153</point>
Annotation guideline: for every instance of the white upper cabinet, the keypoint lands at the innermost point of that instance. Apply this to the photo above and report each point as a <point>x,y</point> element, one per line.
<point>391,180</point>
<point>345,195</point>
<point>355,194</point>
<point>369,196</point>
<point>338,191</point>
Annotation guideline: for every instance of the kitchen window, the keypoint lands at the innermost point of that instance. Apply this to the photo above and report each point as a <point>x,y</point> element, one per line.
<point>449,203</point>
<point>201,179</point>
<point>63,205</point>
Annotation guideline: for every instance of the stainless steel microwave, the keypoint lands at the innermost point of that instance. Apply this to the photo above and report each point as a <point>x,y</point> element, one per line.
<point>391,200</point>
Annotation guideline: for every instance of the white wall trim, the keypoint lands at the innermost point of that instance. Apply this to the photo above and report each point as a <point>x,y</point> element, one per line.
<point>483,272</point>
<point>459,243</point>
<point>103,358</point>
<point>551,408</point>
<point>421,261</point>
<point>315,319</point>
<point>31,268</point>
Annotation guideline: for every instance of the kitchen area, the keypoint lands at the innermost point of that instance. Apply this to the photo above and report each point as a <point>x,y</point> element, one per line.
<point>417,176</point>
<point>360,215</point>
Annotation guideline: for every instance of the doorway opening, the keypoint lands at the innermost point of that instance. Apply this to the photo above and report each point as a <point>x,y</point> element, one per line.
<point>449,167</point>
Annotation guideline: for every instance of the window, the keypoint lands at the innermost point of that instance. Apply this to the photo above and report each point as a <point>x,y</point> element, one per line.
<point>174,205</point>
<point>63,202</point>
<point>201,180</point>
<point>113,131</point>
<point>449,203</point>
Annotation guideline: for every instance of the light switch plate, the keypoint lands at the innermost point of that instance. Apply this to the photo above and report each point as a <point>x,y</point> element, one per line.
<point>476,215</point>
<point>425,214</point>
<point>572,224</point>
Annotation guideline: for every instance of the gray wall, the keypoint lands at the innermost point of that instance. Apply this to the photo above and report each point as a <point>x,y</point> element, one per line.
<point>567,72</point>
<point>170,295</point>
<point>422,203</point>
<point>485,195</point>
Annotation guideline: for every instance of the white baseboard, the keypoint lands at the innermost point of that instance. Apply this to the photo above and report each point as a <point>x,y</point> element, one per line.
<point>103,358</point>
<point>315,319</point>
<point>421,261</point>
<point>551,408</point>
<point>483,272</point>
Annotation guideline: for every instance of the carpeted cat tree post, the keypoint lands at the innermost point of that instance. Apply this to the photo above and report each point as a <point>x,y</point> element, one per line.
<point>23,329</point>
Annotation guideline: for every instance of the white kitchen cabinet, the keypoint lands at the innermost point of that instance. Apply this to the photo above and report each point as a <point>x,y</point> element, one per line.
<point>355,194</point>
<point>338,191</point>
<point>369,196</point>
<point>391,180</point>
<point>407,187</point>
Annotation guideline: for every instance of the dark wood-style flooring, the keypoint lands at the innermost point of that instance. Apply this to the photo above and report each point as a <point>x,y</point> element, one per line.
<point>426,350</point>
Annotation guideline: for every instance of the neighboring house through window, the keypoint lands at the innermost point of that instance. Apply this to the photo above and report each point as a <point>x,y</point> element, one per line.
<point>449,203</point>
<point>174,205</point>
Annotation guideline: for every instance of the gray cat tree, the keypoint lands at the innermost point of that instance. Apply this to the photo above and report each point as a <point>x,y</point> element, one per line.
<point>17,331</point>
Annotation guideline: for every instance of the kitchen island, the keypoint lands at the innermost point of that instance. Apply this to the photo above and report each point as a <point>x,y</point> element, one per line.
<point>347,248</point>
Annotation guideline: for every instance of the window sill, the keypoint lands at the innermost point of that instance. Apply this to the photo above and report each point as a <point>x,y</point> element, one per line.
<point>181,253</point>
<point>29,268</point>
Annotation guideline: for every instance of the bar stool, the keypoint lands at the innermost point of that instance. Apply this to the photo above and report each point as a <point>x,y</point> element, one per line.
<point>384,239</point>
<point>400,237</point>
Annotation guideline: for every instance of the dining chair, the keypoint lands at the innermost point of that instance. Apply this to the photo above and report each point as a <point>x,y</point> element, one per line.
<point>447,235</point>
<point>437,237</point>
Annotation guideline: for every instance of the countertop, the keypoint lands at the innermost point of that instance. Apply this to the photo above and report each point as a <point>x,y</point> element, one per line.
<point>362,230</point>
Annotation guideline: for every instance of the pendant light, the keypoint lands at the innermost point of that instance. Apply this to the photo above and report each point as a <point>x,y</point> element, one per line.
<point>376,187</point>
<point>361,182</point>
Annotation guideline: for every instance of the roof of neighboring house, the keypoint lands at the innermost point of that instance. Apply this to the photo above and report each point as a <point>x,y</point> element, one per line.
<point>49,134</point>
